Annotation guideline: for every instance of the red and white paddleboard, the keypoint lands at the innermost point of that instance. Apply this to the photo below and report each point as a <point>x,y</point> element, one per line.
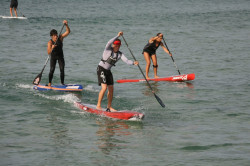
<point>123,115</point>
<point>177,78</point>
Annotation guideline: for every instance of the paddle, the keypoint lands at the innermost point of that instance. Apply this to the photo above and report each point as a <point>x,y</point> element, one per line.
<point>39,76</point>
<point>171,56</point>
<point>157,98</point>
<point>20,12</point>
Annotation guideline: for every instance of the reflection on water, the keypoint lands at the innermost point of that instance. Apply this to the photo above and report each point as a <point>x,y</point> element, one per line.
<point>77,94</point>
<point>156,87</point>
<point>110,134</point>
<point>58,134</point>
<point>183,85</point>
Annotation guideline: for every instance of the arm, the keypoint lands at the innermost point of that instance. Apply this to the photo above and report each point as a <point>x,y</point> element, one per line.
<point>110,42</point>
<point>129,62</point>
<point>65,34</point>
<point>152,39</point>
<point>165,49</point>
<point>50,47</point>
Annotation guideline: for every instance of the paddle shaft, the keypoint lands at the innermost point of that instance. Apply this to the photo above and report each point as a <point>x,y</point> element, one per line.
<point>138,64</point>
<point>158,99</point>
<point>171,56</point>
<point>21,12</point>
<point>45,64</point>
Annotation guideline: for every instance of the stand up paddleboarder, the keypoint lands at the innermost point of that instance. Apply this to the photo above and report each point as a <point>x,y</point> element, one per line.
<point>149,52</point>
<point>110,56</point>
<point>55,50</point>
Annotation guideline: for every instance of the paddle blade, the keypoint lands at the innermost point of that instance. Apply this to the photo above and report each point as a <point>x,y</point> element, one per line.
<point>159,100</point>
<point>37,79</point>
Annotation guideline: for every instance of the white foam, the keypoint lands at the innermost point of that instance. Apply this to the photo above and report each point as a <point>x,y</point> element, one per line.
<point>138,109</point>
<point>26,86</point>
<point>68,98</point>
<point>90,88</point>
<point>3,84</point>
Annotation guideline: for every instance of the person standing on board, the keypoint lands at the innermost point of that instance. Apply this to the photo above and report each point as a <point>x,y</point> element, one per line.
<point>55,50</point>
<point>13,4</point>
<point>149,52</point>
<point>110,56</point>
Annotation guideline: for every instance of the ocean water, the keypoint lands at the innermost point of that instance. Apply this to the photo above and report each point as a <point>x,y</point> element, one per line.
<point>205,122</point>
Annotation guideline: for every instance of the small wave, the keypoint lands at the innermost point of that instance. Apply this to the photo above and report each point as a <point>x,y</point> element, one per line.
<point>68,98</point>
<point>138,109</point>
<point>26,86</point>
<point>117,97</point>
<point>3,84</point>
<point>79,112</point>
<point>197,148</point>
<point>90,88</point>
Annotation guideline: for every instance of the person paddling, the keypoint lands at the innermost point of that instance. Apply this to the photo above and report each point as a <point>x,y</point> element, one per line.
<point>13,4</point>
<point>149,51</point>
<point>56,52</point>
<point>110,56</point>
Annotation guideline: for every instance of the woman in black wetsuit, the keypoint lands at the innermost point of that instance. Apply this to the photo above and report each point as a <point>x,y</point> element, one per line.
<point>13,4</point>
<point>56,52</point>
<point>149,51</point>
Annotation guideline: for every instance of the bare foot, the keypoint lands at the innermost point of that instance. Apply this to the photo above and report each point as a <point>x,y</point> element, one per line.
<point>147,77</point>
<point>112,109</point>
<point>98,108</point>
<point>49,84</point>
<point>157,77</point>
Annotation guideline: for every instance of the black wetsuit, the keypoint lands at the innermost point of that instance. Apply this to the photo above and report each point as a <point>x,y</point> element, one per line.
<point>151,48</point>
<point>57,54</point>
<point>13,4</point>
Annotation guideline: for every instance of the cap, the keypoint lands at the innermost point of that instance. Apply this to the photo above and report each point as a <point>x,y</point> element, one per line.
<point>117,42</point>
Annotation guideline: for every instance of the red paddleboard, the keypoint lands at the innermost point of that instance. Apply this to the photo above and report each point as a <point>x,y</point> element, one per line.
<point>177,78</point>
<point>123,115</point>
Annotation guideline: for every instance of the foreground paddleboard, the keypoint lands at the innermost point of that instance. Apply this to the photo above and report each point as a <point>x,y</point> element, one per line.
<point>14,17</point>
<point>66,88</point>
<point>177,78</point>
<point>122,115</point>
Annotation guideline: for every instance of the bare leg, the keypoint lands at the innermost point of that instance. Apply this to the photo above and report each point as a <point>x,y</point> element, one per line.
<point>110,97</point>
<point>11,12</point>
<point>15,12</point>
<point>147,58</point>
<point>101,94</point>
<point>154,59</point>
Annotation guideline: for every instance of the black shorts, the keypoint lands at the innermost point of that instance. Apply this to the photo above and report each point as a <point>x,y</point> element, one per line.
<point>13,4</point>
<point>149,52</point>
<point>104,76</point>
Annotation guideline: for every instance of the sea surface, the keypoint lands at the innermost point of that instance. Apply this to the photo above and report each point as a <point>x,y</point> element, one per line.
<point>206,122</point>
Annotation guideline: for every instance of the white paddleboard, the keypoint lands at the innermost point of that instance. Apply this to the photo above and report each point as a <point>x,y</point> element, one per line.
<point>14,17</point>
